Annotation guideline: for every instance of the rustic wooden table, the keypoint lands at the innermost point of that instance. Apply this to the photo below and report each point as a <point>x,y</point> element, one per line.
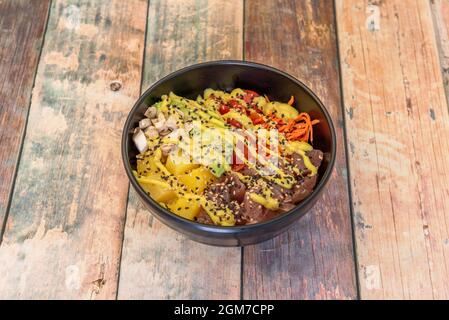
<point>70,226</point>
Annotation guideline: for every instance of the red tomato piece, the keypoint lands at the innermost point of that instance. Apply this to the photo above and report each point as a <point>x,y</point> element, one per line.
<point>234,104</point>
<point>251,92</point>
<point>223,109</point>
<point>234,123</point>
<point>255,118</point>
<point>249,96</point>
<point>257,109</point>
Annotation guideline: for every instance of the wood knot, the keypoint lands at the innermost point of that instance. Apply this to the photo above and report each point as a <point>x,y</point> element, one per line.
<point>115,85</point>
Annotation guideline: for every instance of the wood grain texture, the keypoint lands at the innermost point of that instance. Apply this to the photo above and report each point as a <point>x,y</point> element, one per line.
<point>158,262</point>
<point>398,135</point>
<point>22,25</point>
<point>440,10</point>
<point>65,226</point>
<point>314,259</point>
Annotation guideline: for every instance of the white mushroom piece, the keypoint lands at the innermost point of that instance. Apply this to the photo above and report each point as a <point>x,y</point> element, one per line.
<point>151,132</point>
<point>167,148</point>
<point>144,123</point>
<point>140,140</point>
<point>172,123</point>
<point>159,122</point>
<point>169,125</point>
<point>151,112</point>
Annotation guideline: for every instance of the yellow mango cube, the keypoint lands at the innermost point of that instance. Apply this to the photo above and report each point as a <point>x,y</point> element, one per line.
<point>155,186</point>
<point>185,207</point>
<point>197,179</point>
<point>147,167</point>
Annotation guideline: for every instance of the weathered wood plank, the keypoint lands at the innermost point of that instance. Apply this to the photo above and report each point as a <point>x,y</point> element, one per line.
<point>22,25</point>
<point>158,262</point>
<point>314,259</point>
<point>398,133</point>
<point>65,226</point>
<point>440,10</point>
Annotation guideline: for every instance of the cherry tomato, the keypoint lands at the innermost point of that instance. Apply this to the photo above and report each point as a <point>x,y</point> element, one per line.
<point>223,109</point>
<point>234,104</point>
<point>255,118</point>
<point>254,93</point>
<point>249,96</point>
<point>257,109</point>
<point>234,123</point>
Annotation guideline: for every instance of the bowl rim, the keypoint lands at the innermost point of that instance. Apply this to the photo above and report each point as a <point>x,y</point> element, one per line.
<point>214,228</point>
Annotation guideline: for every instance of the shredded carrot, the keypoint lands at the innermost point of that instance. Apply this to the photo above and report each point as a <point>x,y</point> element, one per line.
<point>279,121</point>
<point>299,128</point>
<point>315,121</point>
<point>288,126</point>
<point>291,101</point>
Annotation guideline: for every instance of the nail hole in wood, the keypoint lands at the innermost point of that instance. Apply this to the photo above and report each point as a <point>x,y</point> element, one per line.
<point>115,85</point>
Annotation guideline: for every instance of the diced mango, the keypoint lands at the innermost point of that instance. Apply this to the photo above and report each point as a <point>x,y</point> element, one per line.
<point>179,168</point>
<point>157,188</point>
<point>147,166</point>
<point>185,207</point>
<point>197,179</point>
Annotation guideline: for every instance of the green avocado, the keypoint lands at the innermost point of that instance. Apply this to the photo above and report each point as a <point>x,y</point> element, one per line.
<point>217,169</point>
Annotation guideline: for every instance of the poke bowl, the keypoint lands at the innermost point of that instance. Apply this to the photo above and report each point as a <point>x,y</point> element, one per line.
<point>239,197</point>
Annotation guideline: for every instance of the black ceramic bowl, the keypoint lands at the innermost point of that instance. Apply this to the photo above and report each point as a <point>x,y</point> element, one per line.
<point>227,75</point>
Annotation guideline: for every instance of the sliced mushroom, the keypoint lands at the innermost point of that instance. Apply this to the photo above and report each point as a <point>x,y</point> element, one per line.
<point>151,112</point>
<point>159,122</point>
<point>140,140</point>
<point>164,131</point>
<point>171,123</point>
<point>167,148</point>
<point>144,123</point>
<point>151,132</point>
